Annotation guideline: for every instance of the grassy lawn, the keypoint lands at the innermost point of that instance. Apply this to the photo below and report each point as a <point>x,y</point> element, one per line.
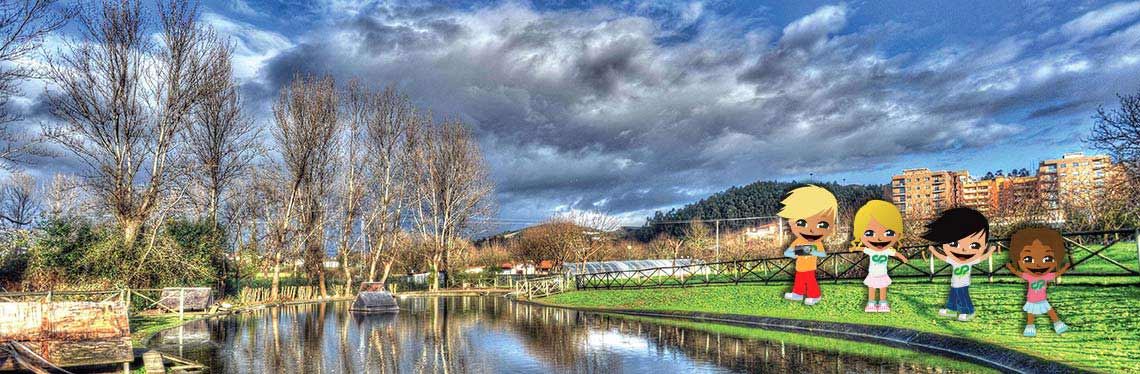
<point>145,325</point>
<point>1104,320</point>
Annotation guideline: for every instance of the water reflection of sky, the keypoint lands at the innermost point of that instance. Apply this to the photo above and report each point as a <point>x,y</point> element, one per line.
<point>481,335</point>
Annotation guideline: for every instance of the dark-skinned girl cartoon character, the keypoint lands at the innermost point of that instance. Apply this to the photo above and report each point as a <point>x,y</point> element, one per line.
<point>1034,255</point>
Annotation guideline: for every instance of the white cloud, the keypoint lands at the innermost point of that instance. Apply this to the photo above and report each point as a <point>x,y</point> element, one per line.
<point>815,27</point>
<point>1100,20</point>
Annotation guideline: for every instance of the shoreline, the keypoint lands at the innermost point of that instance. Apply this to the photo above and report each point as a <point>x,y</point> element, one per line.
<point>986,354</point>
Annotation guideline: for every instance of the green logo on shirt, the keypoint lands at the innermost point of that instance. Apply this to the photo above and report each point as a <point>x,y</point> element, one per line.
<point>879,259</point>
<point>1037,285</point>
<point>962,270</point>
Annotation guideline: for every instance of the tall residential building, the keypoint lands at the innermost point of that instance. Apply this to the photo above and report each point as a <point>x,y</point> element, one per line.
<point>1072,176</point>
<point>922,192</point>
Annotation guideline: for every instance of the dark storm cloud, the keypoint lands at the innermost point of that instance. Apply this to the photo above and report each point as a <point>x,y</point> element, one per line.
<point>628,110</point>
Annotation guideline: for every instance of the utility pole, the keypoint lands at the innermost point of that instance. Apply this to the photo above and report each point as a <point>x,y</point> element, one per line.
<point>717,240</point>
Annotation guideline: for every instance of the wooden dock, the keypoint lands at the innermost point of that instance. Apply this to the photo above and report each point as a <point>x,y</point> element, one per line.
<point>65,329</point>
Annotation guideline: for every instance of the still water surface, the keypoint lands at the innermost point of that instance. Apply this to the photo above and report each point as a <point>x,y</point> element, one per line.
<point>475,334</point>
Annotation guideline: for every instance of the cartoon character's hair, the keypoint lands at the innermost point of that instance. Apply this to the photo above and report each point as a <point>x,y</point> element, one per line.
<point>1024,237</point>
<point>883,212</point>
<point>808,201</point>
<point>955,224</point>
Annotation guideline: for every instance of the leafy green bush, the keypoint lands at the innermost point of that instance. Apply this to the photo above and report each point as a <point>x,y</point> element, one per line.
<point>70,253</point>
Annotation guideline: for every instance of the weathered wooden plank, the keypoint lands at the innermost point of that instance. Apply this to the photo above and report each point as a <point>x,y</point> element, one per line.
<point>77,353</point>
<point>152,361</point>
<point>66,320</point>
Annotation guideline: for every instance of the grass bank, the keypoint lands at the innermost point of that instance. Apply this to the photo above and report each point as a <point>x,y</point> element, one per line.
<point>840,346</point>
<point>1104,320</point>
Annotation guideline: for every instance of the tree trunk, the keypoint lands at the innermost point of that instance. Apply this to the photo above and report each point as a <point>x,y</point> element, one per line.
<point>131,229</point>
<point>433,280</point>
<point>321,279</point>
<point>274,286</point>
<point>387,270</point>
<point>347,275</point>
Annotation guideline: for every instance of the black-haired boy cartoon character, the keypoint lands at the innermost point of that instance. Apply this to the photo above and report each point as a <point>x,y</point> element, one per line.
<point>1034,254</point>
<point>959,235</point>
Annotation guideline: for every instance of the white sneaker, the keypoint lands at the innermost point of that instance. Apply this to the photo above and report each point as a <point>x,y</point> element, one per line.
<point>811,301</point>
<point>947,313</point>
<point>793,296</point>
<point>965,317</point>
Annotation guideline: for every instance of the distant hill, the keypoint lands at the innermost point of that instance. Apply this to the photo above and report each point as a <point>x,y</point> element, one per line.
<point>756,199</point>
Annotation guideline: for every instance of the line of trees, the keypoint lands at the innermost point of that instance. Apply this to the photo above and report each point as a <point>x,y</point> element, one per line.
<point>178,184</point>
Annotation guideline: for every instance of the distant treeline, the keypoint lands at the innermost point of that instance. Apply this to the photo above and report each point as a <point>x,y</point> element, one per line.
<point>756,199</point>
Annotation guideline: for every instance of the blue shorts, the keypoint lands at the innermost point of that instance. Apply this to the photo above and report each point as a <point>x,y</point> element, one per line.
<point>960,300</point>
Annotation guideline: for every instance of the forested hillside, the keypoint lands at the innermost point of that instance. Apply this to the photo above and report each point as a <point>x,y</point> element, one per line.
<point>756,199</point>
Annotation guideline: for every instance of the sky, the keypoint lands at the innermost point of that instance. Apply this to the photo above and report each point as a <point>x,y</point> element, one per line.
<point>634,106</point>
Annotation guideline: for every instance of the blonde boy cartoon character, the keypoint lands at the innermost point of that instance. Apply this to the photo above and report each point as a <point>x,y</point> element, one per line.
<point>811,211</point>
<point>960,236</point>
<point>878,227</point>
<point>1034,255</point>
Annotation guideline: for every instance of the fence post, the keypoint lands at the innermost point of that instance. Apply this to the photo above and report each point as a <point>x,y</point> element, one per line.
<point>181,303</point>
<point>991,262</point>
<point>931,262</point>
<point>1136,237</point>
<point>835,276</point>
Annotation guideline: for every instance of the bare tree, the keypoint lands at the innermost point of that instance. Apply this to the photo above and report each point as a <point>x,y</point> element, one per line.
<point>596,236</point>
<point>388,117</point>
<point>124,100</point>
<point>64,196</point>
<point>305,116</point>
<point>1117,131</point>
<point>698,240</point>
<point>23,24</point>
<point>19,200</point>
<point>221,140</point>
<point>353,186</point>
<point>450,185</point>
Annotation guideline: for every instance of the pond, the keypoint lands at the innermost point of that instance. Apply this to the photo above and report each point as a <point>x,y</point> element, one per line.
<point>490,334</point>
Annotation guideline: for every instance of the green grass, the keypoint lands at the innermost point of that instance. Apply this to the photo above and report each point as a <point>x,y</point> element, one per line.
<point>1104,320</point>
<point>840,346</point>
<point>143,326</point>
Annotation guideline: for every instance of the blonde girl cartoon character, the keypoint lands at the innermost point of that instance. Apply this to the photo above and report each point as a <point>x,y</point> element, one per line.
<point>877,229</point>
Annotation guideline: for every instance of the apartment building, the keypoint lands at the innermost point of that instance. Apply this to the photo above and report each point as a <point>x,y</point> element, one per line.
<point>921,192</point>
<point>1072,176</point>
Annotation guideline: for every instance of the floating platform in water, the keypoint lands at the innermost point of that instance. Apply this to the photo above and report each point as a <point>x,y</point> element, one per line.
<point>190,298</point>
<point>374,299</point>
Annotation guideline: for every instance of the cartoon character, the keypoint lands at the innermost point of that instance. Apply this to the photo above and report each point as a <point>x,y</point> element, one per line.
<point>878,227</point>
<point>960,236</point>
<point>812,211</point>
<point>1034,254</point>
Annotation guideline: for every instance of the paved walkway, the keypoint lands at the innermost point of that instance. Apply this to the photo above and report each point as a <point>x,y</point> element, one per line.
<point>1000,358</point>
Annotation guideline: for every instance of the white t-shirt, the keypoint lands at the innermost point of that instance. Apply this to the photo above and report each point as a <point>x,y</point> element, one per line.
<point>877,264</point>
<point>960,277</point>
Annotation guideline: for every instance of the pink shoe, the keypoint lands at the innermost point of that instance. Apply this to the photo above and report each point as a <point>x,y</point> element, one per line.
<point>871,308</point>
<point>884,307</point>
